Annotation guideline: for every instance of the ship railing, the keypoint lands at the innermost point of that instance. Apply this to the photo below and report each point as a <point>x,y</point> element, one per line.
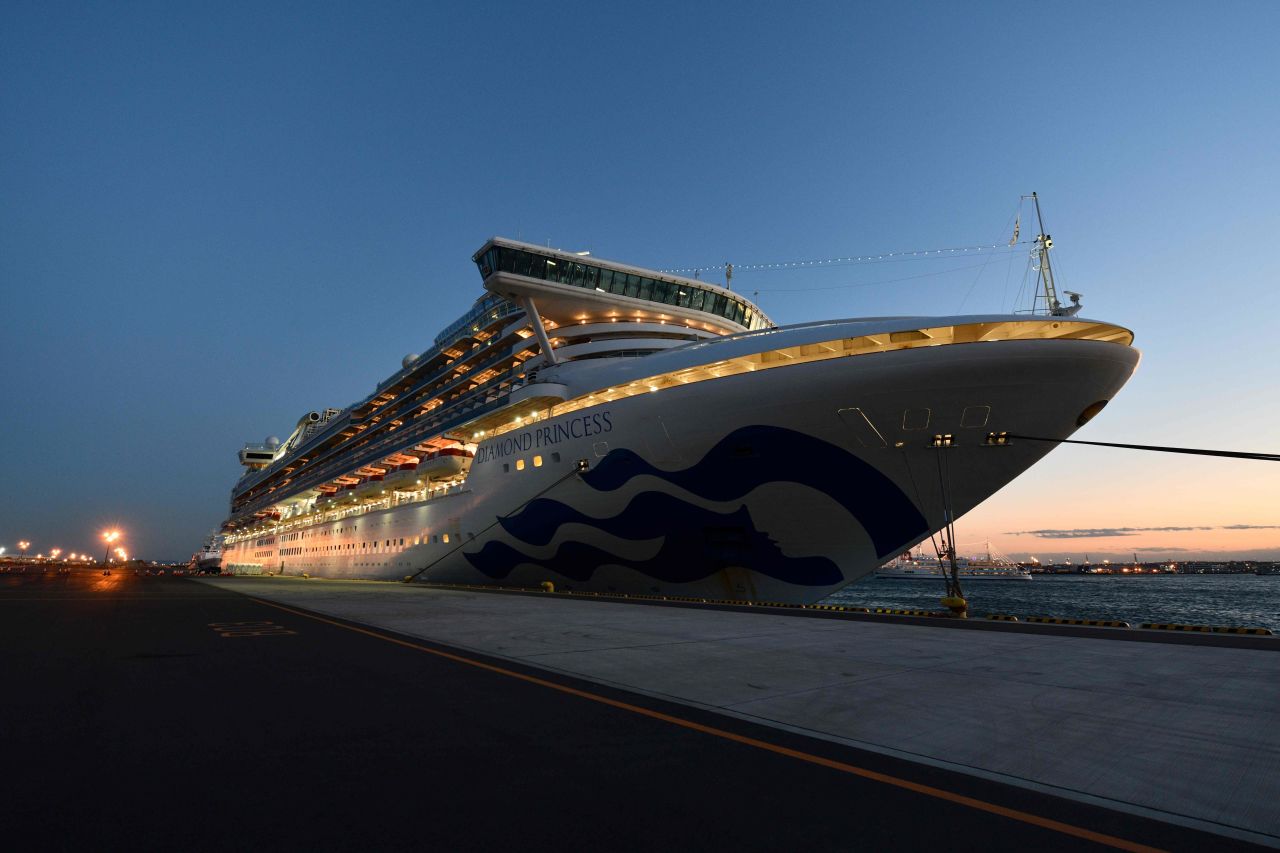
<point>398,440</point>
<point>492,303</point>
<point>497,357</point>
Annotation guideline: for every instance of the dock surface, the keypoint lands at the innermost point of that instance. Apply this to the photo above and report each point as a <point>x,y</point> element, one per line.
<point>166,713</point>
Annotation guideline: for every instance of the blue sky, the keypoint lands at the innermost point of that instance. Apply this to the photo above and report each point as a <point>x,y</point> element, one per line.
<point>218,217</point>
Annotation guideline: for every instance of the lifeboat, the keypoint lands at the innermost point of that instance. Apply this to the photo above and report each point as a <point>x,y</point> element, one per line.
<point>325,500</point>
<point>404,479</point>
<point>370,488</point>
<point>447,462</point>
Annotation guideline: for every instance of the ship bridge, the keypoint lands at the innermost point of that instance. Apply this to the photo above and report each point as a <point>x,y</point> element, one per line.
<point>599,308</point>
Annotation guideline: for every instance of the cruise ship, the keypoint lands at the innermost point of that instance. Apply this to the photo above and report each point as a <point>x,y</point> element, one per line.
<point>598,426</point>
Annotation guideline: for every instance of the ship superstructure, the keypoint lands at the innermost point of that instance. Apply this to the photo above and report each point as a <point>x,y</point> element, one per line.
<point>604,426</point>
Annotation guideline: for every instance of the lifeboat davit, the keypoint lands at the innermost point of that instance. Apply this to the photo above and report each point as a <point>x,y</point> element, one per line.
<point>404,479</point>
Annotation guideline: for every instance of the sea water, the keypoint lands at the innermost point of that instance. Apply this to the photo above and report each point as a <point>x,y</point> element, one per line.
<point>1247,601</point>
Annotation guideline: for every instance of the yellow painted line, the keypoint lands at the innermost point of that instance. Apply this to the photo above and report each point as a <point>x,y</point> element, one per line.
<point>927,790</point>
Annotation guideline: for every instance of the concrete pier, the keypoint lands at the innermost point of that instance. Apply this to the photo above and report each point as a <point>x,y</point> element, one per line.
<point>1184,733</point>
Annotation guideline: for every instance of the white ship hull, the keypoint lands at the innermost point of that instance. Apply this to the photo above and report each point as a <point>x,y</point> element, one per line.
<point>758,486</point>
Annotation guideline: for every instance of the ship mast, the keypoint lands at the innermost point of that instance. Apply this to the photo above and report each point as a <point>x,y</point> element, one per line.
<point>1043,244</point>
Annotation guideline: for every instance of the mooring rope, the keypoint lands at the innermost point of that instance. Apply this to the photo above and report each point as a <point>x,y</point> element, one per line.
<point>1195,451</point>
<point>578,468</point>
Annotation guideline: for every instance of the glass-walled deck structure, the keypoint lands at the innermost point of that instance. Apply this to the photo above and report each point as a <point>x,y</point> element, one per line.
<point>590,275</point>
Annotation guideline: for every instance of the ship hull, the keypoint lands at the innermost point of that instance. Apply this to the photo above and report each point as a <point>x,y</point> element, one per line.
<point>778,485</point>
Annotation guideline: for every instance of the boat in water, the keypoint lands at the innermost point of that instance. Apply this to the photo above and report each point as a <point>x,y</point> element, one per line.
<point>208,560</point>
<point>600,426</point>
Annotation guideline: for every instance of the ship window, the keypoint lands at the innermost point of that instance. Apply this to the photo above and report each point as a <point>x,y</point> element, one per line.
<point>555,457</point>
<point>601,448</point>
<point>537,462</point>
<point>506,468</point>
<point>660,289</point>
<point>444,538</point>
<point>519,464</point>
<point>695,301</point>
<point>606,280</point>
<point>633,285</point>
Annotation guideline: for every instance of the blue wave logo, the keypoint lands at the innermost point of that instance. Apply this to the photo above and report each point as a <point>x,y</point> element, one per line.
<point>699,542</point>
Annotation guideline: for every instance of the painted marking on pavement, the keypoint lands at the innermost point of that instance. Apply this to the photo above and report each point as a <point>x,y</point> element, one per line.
<point>250,629</point>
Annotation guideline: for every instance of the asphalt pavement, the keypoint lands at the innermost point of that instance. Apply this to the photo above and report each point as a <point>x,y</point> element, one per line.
<point>153,712</point>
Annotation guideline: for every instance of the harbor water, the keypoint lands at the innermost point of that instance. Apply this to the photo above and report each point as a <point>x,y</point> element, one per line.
<point>1248,601</point>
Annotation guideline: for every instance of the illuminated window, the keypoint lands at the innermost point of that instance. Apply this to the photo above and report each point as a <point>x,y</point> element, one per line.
<point>537,462</point>
<point>519,464</point>
<point>444,538</point>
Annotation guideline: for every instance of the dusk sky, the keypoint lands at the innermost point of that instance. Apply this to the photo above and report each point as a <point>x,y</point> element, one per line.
<point>217,217</point>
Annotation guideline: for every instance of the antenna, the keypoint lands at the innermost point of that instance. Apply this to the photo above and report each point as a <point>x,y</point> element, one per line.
<point>1043,244</point>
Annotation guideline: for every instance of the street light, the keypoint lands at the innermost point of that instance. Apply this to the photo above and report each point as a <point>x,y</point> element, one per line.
<point>110,536</point>
<point>23,546</point>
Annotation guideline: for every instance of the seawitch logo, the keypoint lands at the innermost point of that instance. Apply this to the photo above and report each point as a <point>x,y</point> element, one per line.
<point>584,426</point>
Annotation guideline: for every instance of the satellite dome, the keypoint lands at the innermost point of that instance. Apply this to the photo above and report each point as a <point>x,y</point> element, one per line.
<point>272,441</point>
<point>409,359</point>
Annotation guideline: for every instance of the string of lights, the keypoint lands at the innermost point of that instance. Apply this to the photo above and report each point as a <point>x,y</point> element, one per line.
<point>953,251</point>
<point>849,285</point>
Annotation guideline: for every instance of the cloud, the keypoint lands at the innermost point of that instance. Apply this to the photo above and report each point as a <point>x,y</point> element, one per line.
<point>1251,527</point>
<point>1100,532</point>
<point>1162,550</point>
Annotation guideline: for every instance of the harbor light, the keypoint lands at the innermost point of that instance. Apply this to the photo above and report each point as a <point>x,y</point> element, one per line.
<point>54,553</point>
<point>109,536</point>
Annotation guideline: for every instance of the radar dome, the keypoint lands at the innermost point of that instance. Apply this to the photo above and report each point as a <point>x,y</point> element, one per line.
<point>272,441</point>
<point>409,359</point>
